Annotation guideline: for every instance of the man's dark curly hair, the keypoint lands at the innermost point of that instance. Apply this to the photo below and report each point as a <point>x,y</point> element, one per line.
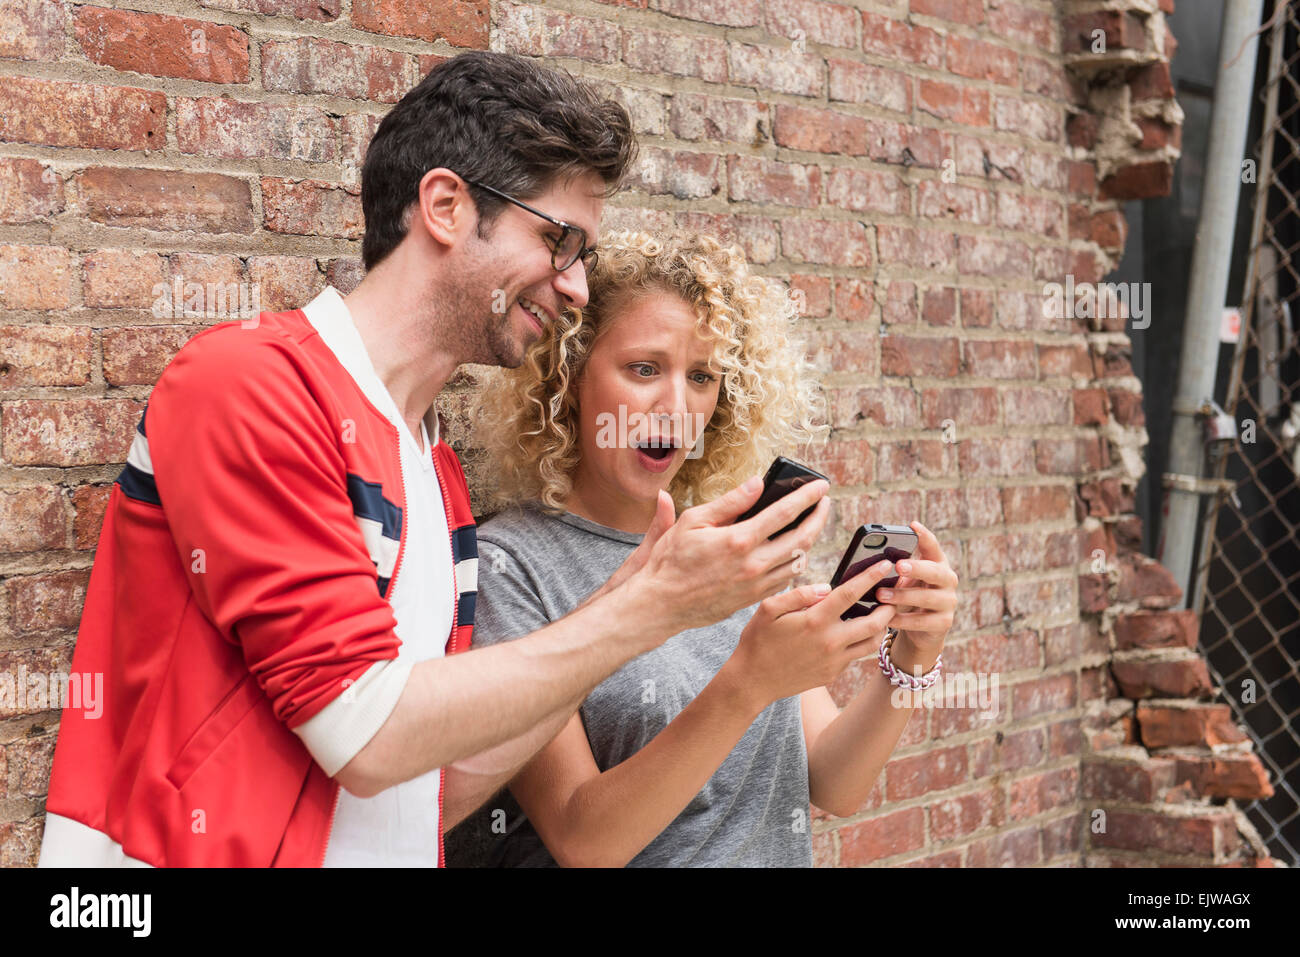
<point>497,118</point>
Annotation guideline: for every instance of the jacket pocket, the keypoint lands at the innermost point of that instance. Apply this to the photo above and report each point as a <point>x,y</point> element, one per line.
<point>215,729</point>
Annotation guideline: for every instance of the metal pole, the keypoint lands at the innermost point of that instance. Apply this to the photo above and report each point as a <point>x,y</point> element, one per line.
<point>1229,120</point>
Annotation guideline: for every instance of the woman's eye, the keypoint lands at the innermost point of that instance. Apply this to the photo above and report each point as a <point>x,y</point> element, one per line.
<point>644,365</point>
<point>706,378</point>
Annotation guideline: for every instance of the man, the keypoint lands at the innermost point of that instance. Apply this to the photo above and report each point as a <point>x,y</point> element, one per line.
<point>287,564</point>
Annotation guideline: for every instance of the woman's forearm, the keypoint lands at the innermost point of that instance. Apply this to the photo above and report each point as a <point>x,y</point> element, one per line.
<point>611,818</point>
<point>848,756</point>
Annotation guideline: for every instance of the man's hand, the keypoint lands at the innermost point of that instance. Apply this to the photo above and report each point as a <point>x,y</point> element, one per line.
<point>706,566</point>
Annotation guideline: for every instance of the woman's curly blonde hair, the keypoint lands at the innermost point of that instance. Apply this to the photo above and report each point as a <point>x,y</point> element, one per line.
<point>768,400</point>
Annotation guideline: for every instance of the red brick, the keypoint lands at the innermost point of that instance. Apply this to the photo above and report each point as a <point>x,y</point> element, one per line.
<point>846,462</point>
<point>89,503</point>
<point>1029,118</point>
<point>462,23</point>
<point>1033,26</point>
<point>959,816</point>
<point>963,406</point>
<point>914,355</point>
<point>533,31</point>
<point>167,199</point>
<point>32,518</point>
<point>984,256</point>
<point>832,24</point>
<point>886,37</point>
<point>1001,358</point>
<point>1038,793</point>
<point>979,60</point>
<point>1006,849</point>
<point>872,840</point>
<point>1239,776</point>
<point>320,10</point>
<point>31,30</point>
<point>969,12</point>
<point>966,105</point>
<point>70,431</point>
<point>853,298</point>
<point>680,174</point>
<point>1036,503</point>
<point>1139,781</point>
<point>45,355</point>
<point>120,278</point>
<point>1036,407</point>
<point>854,82</point>
<point>1162,677</point>
<point>819,130</point>
<point>778,69</point>
<point>1121,29</point>
<point>215,126</point>
<point>899,306</point>
<point>1146,830</point>
<point>658,52</point>
<point>1201,725</point>
<point>312,208</point>
<point>812,294</point>
<point>930,249</point>
<point>939,306</point>
<point>829,243</point>
<point>1156,629</point>
<point>695,116</point>
<point>29,190</point>
<point>1139,181</point>
<point>160,45</point>
<point>1151,82</point>
<point>137,355</point>
<point>34,277</point>
<point>1043,696</point>
<point>46,605</point>
<point>990,457</point>
<point>759,180</point>
<point>55,113</point>
<point>888,407</point>
<point>939,200</point>
<point>854,350</point>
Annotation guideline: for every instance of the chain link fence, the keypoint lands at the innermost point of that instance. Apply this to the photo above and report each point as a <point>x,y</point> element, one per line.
<point>1247,581</point>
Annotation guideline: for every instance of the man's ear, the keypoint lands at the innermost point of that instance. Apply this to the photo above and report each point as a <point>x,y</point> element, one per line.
<point>445,210</point>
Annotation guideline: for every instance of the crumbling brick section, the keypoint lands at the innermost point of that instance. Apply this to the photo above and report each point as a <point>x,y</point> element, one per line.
<point>1161,757</point>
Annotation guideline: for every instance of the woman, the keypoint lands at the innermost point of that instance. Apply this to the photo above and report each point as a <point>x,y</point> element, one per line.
<point>678,375</point>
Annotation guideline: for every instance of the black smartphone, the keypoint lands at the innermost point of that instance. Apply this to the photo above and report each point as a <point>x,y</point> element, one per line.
<point>783,477</point>
<point>871,544</point>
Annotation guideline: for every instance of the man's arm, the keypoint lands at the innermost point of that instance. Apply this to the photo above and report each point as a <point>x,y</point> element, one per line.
<point>248,461</point>
<point>701,570</point>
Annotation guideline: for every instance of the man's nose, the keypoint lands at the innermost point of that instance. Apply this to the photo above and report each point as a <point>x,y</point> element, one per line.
<point>572,284</point>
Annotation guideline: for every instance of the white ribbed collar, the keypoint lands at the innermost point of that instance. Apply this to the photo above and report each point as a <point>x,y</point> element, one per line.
<point>329,315</point>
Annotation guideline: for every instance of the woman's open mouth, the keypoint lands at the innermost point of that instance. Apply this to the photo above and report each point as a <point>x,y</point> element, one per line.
<point>655,455</point>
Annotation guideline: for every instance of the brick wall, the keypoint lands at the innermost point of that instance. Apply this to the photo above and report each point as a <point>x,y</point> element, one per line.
<point>917,170</point>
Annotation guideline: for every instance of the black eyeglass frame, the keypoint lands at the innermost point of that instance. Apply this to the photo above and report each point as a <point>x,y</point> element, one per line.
<point>584,250</point>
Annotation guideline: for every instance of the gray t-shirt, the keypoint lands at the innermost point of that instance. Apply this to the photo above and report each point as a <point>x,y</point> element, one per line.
<point>534,568</point>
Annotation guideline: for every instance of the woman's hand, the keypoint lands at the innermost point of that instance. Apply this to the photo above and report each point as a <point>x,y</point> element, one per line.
<point>925,596</point>
<point>796,640</point>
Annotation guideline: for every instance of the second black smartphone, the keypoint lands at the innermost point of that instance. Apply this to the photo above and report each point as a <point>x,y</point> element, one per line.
<point>872,544</point>
<point>783,477</point>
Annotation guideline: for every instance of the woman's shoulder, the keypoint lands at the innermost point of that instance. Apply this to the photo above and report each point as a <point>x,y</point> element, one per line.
<point>518,528</point>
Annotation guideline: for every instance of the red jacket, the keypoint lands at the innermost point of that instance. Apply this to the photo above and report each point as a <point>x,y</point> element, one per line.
<point>233,597</point>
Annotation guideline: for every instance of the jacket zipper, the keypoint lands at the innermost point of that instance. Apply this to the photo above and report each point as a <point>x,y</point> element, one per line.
<point>451,639</point>
<point>392,586</point>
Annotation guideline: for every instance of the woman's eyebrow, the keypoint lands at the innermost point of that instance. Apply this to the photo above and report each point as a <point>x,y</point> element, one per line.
<point>658,353</point>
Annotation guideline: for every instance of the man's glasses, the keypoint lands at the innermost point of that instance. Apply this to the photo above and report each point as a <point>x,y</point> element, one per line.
<point>569,248</point>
